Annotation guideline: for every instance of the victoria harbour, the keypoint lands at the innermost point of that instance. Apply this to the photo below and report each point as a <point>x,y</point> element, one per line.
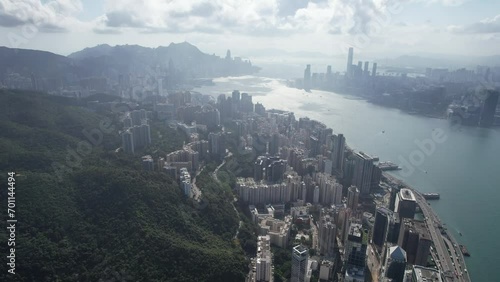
<point>462,166</point>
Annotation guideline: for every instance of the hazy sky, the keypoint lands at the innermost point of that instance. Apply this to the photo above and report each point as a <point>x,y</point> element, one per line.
<point>327,26</point>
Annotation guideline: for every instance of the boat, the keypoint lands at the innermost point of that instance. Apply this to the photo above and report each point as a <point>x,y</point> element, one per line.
<point>464,251</point>
<point>388,166</point>
<point>431,196</point>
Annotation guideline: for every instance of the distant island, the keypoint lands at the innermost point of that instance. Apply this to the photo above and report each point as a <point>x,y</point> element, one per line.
<point>122,70</point>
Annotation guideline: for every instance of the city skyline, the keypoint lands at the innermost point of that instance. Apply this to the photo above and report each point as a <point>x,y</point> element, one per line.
<point>330,27</point>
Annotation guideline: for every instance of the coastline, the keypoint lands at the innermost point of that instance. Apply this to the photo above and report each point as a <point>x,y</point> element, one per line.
<point>439,240</point>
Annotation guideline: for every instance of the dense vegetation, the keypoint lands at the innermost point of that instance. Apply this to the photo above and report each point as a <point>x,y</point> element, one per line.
<point>102,218</point>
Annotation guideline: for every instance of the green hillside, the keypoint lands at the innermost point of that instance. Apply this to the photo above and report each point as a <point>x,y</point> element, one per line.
<point>104,219</point>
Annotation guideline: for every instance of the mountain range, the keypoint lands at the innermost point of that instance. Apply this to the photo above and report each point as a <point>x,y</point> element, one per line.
<point>184,60</point>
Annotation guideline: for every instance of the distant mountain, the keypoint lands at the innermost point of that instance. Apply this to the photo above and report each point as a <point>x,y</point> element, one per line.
<point>184,57</point>
<point>41,63</point>
<point>177,62</point>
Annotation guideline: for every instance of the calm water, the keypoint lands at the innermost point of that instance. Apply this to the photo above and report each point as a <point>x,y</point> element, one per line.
<point>464,169</point>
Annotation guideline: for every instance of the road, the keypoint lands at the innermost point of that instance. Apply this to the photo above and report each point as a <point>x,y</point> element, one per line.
<point>196,192</point>
<point>451,262</point>
<point>214,175</point>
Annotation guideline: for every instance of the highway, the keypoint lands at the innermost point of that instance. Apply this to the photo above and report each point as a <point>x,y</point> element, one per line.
<point>451,262</point>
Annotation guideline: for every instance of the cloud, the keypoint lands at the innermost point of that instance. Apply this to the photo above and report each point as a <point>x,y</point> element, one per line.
<point>253,18</point>
<point>47,16</point>
<point>485,26</point>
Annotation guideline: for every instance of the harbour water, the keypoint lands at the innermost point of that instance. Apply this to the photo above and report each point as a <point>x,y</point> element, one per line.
<point>461,163</point>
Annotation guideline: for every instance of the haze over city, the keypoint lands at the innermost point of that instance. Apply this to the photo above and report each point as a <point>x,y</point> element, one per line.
<point>393,27</point>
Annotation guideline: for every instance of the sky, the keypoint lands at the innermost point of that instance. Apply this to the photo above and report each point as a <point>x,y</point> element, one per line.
<point>372,27</point>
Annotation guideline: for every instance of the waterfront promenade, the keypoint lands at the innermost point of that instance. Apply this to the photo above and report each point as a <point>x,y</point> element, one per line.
<point>450,260</point>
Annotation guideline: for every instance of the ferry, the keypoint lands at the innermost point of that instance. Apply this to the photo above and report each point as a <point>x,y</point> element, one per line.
<point>464,251</point>
<point>388,166</point>
<point>431,196</point>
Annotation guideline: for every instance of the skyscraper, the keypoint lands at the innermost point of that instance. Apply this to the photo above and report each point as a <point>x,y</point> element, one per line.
<point>338,153</point>
<point>352,198</point>
<point>489,108</point>
<point>366,72</point>
<point>327,235</point>
<point>415,239</point>
<point>263,260</point>
<point>395,264</point>
<point>380,226</point>
<point>406,203</point>
<point>307,78</point>
<point>363,173</point>
<point>300,257</point>
<point>349,62</point>
<point>374,69</point>
<point>355,252</point>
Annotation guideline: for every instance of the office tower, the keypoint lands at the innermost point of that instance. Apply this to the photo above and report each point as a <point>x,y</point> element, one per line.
<point>366,72</point>
<point>263,263</point>
<point>128,141</point>
<point>393,228</point>
<point>307,78</point>
<point>236,97</point>
<point>355,253</point>
<point>406,203</point>
<point>374,69</point>
<point>327,235</point>
<point>246,104</point>
<point>395,264</point>
<point>300,256</point>
<point>349,70</point>
<point>381,226</point>
<point>147,163</point>
<point>338,150</point>
<point>376,177</point>
<point>329,75</point>
<point>228,55</point>
<point>363,173</point>
<point>359,69</point>
<point>352,198</point>
<point>489,108</point>
<point>415,239</point>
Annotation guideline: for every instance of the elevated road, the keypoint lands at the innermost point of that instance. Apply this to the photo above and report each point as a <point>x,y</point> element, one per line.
<point>450,258</point>
<point>446,253</point>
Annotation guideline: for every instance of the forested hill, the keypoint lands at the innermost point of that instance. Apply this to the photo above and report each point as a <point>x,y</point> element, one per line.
<point>106,219</point>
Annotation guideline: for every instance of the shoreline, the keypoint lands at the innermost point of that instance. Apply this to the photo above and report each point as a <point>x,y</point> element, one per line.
<point>431,216</point>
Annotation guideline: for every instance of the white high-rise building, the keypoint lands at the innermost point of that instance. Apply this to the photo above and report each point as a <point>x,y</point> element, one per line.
<point>264,265</point>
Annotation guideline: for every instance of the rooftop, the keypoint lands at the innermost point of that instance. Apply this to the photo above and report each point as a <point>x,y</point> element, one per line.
<point>426,274</point>
<point>407,194</point>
